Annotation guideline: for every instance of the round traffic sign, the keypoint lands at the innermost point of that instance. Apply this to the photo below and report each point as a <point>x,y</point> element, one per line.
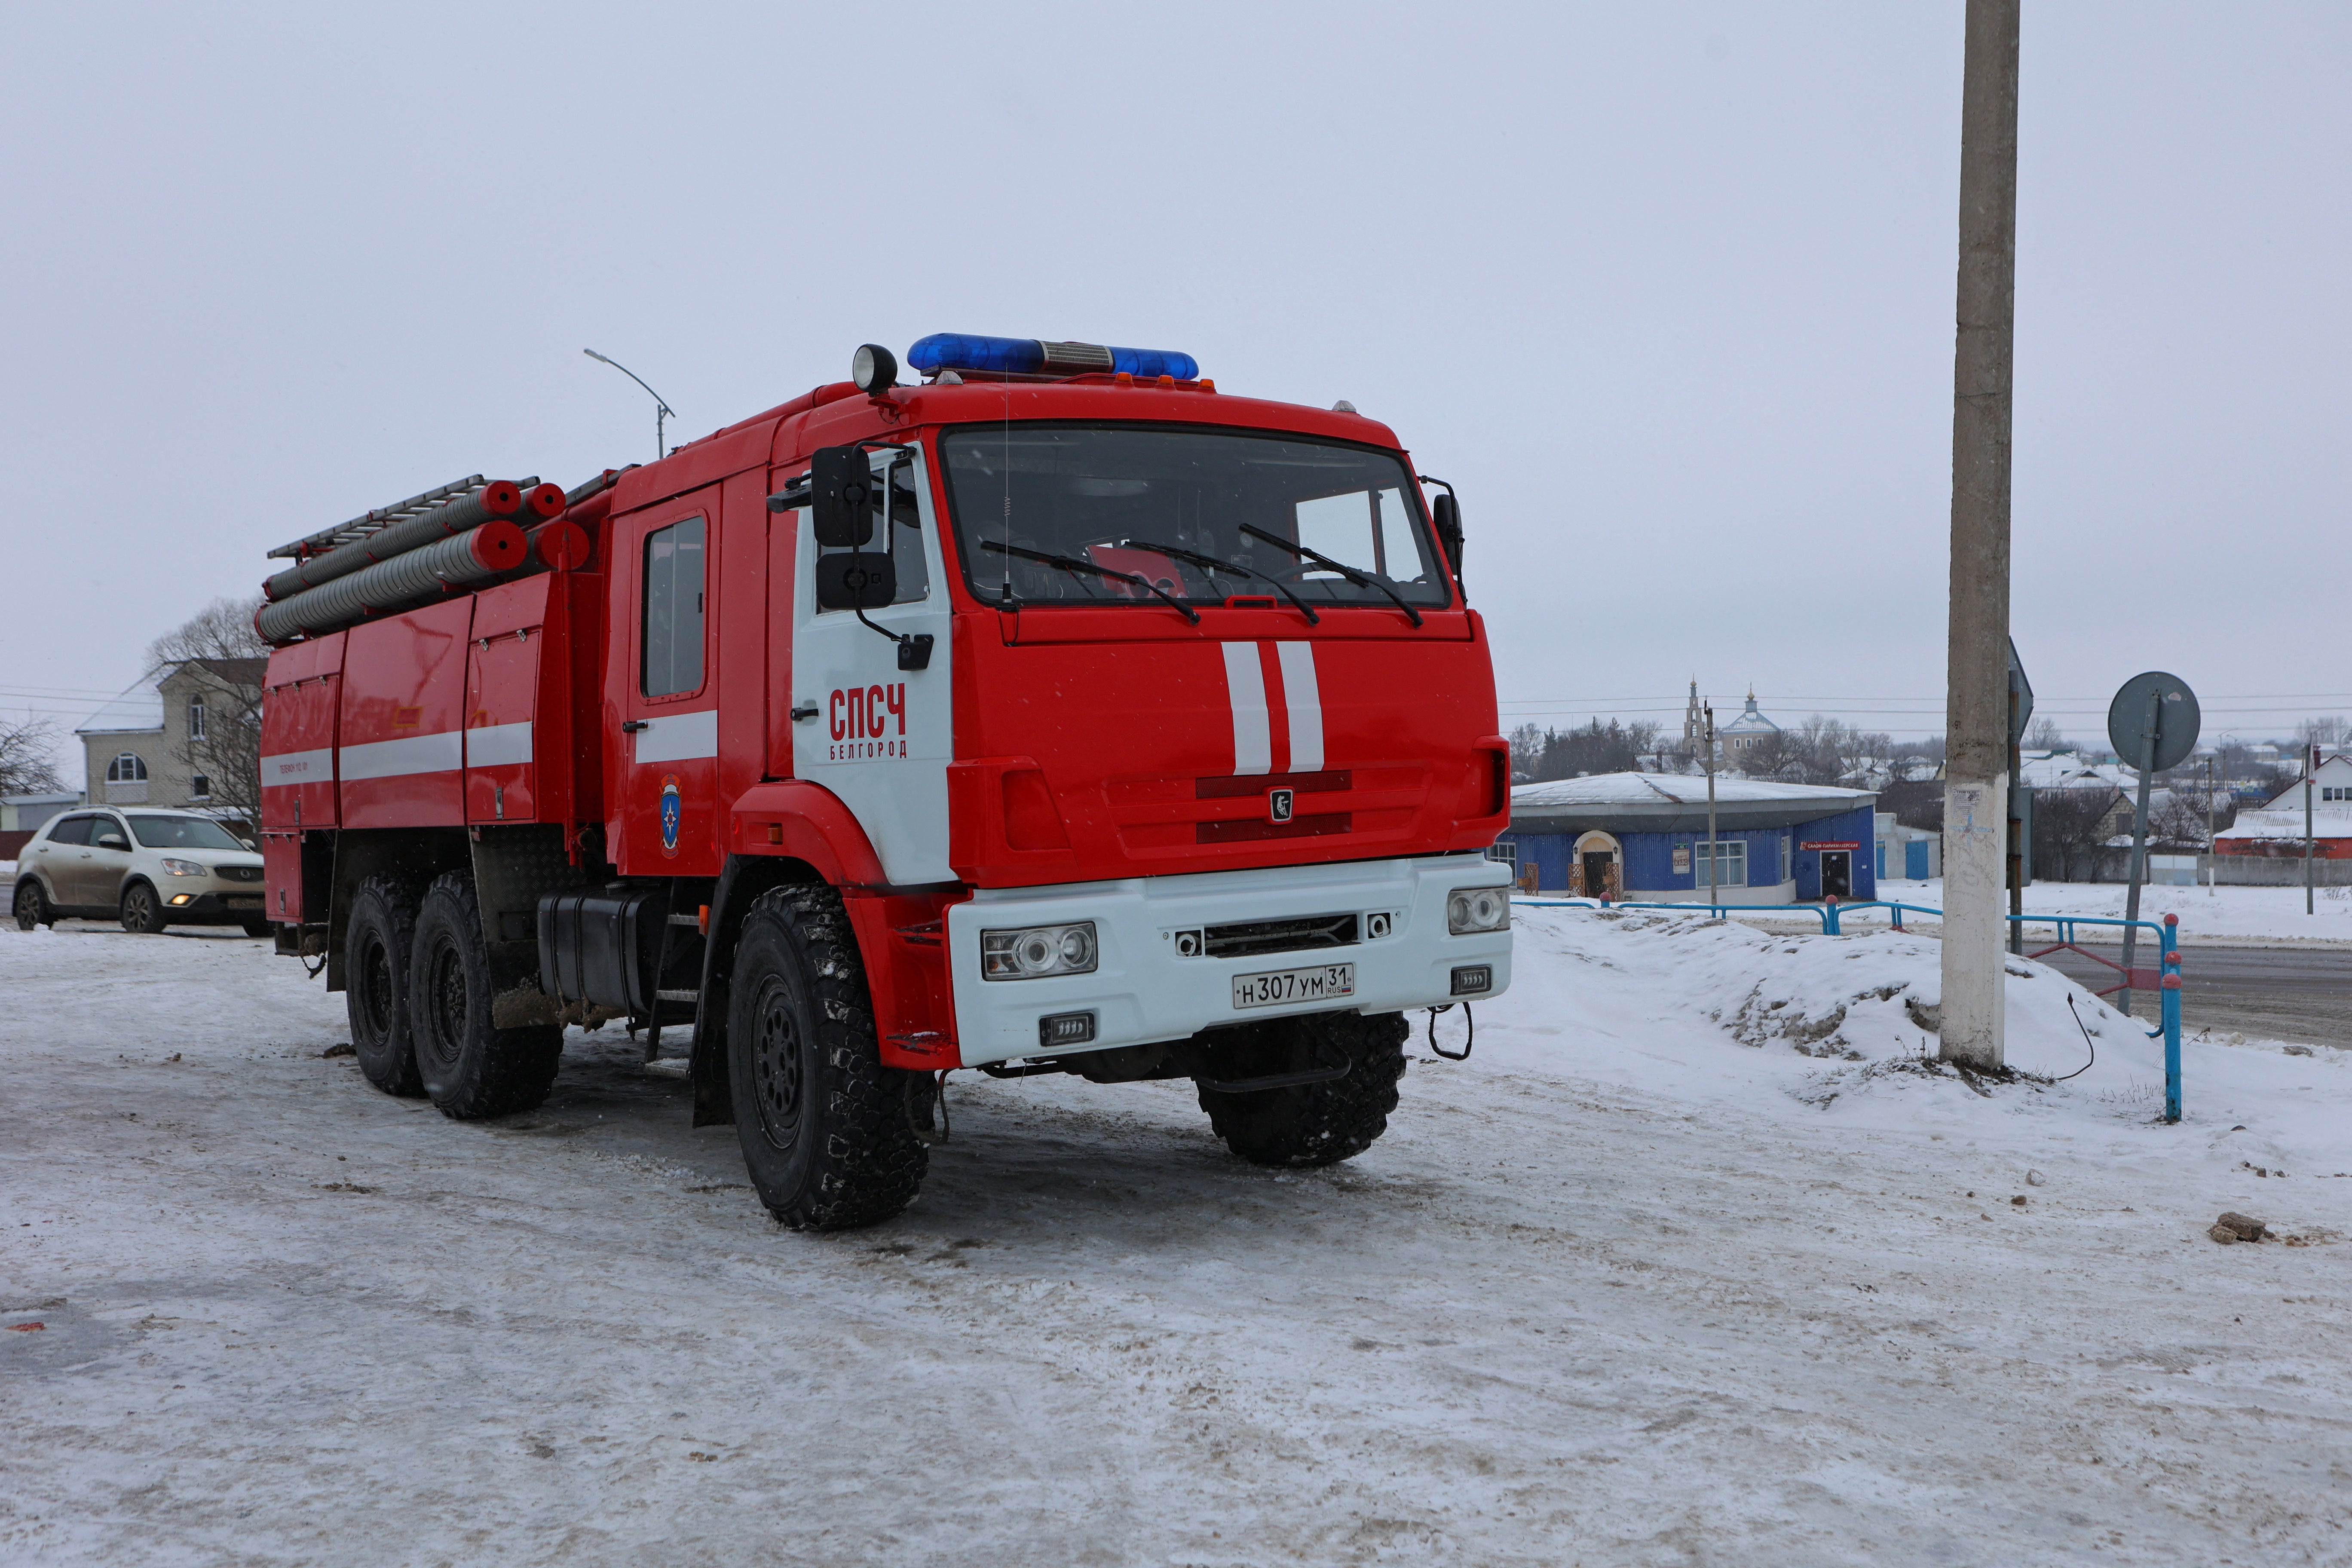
<point>2174,708</point>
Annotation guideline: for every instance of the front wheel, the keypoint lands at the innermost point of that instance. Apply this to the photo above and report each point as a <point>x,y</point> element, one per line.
<point>828,1133</point>
<point>471,1068</point>
<point>33,906</point>
<point>1316,1123</point>
<point>143,911</point>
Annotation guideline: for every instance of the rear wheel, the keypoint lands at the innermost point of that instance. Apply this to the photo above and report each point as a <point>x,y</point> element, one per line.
<point>1316,1123</point>
<point>828,1133</point>
<point>259,928</point>
<point>376,942</point>
<point>142,910</point>
<point>471,1069</point>
<point>33,906</point>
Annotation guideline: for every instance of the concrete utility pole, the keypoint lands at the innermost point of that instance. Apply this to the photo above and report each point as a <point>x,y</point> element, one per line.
<point>2310,789</point>
<point>1976,774</point>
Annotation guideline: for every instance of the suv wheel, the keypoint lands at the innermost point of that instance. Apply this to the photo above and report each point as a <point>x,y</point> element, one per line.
<point>33,906</point>
<point>143,911</point>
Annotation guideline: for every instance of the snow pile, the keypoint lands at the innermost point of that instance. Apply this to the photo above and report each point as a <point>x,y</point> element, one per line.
<point>1708,1010</point>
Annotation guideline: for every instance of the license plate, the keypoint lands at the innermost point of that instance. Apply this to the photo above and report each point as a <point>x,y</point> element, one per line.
<point>243,901</point>
<point>1324,983</point>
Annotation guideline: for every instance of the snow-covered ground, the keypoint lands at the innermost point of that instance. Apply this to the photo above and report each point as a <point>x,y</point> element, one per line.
<point>1692,1262</point>
<point>2206,914</point>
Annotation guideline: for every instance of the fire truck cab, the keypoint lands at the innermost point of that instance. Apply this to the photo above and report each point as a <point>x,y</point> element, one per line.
<point>1059,713</point>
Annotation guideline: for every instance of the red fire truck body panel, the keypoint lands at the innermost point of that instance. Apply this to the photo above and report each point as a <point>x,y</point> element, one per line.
<point>502,705</point>
<point>400,749</point>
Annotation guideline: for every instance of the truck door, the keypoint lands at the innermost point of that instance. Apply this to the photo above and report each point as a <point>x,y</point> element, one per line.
<point>877,736</point>
<point>666,758</point>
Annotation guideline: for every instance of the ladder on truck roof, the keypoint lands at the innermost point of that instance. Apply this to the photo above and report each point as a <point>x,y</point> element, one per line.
<point>375,521</point>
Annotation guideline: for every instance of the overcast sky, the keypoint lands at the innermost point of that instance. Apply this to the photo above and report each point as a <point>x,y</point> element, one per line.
<point>1665,290</point>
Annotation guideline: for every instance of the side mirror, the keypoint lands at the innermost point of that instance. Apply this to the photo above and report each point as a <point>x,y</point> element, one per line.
<point>1446,513</point>
<point>856,581</point>
<point>842,498</point>
<point>112,841</point>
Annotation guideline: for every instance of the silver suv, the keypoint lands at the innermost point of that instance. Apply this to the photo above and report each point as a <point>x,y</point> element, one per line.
<point>150,869</point>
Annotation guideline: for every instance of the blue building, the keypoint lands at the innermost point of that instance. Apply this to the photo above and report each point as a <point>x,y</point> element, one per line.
<point>1642,837</point>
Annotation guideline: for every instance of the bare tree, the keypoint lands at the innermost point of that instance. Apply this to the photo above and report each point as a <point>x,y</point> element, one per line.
<point>1592,747</point>
<point>2068,829</point>
<point>2327,732</point>
<point>28,756</point>
<point>222,629</point>
<point>2044,735</point>
<point>214,645</point>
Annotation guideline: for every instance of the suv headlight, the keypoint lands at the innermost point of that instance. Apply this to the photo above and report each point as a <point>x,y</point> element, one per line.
<point>1476,910</point>
<point>1033,951</point>
<point>185,868</point>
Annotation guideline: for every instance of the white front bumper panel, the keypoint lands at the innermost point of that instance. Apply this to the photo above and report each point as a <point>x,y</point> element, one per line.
<point>1143,991</point>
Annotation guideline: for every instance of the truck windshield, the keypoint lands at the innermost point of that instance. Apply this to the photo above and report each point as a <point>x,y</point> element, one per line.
<point>1107,494</point>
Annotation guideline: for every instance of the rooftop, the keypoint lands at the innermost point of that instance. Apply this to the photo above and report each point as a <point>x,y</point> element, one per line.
<point>1663,803</point>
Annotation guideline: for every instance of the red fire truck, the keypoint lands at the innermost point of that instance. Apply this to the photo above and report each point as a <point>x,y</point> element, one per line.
<point>1059,713</point>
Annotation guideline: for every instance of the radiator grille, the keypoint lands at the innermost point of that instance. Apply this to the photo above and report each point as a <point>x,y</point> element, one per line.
<point>1300,933</point>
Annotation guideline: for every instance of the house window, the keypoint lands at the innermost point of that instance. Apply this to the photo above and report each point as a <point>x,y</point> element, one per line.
<point>1730,862</point>
<point>128,768</point>
<point>672,654</point>
<point>195,715</point>
<point>1508,854</point>
<point>200,788</point>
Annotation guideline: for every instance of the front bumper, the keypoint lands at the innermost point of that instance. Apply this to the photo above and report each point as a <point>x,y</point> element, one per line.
<point>1141,991</point>
<point>219,907</point>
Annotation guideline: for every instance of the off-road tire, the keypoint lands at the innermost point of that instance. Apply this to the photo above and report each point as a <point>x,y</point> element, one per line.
<point>828,1133</point>
<point>33,906</point>
<point>378,939</point>
<point>1318,1123</point>
<point>471,1069</point>
<point>142,910</point>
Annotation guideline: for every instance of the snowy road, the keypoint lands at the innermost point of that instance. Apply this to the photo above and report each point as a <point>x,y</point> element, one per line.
<point>1620,1290</point>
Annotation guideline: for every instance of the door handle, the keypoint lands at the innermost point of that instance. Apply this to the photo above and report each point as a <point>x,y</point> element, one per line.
<point>805,712</point>
<point>631,726</point>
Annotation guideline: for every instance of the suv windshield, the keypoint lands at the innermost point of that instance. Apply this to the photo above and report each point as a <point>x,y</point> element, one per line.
<point>1106,495</point>
<point>183,832</point>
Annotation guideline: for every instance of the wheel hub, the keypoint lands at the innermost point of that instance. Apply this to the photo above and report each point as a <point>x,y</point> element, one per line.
<point>448,1009</point>
<point>776,1075</point>
<point>375,989</point>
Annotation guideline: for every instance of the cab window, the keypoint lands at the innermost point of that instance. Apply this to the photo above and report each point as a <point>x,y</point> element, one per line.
<point>674,584</point>
<point>106,833</point>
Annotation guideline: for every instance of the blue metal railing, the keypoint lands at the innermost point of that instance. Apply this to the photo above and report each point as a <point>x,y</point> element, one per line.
<point>2166,978</point>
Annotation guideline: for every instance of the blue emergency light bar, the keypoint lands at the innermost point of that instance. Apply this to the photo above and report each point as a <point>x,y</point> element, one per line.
<point>1031,356</point>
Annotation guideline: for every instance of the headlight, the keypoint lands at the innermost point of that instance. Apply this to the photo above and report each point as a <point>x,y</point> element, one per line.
<point>1035,950</point>
<point>185,868</point>
<point>1477,909</point>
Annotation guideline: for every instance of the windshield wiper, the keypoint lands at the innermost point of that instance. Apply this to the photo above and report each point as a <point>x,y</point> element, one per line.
<point>1350,573</point>
<point>1074,563</point>
<point>1216,564</point>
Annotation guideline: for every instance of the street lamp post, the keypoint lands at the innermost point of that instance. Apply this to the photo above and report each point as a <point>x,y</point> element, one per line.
<point>662,411</point>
